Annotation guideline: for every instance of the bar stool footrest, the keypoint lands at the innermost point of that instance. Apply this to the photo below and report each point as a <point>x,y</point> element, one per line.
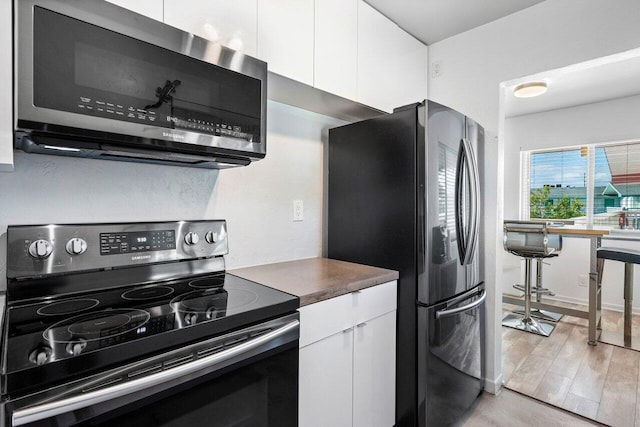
<point>541,314</point>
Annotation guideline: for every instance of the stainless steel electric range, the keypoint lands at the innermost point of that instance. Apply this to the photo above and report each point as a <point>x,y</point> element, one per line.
<point>138,324</point>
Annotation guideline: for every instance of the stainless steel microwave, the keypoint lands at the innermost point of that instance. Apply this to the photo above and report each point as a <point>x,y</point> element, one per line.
<point>95,80</point>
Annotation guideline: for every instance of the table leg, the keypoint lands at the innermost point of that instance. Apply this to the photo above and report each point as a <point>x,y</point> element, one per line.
<point>595,302</point>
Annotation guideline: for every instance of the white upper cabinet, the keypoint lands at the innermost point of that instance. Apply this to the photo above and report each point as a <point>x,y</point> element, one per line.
<point>149,8</point>
<point>412,68</point>
<point>336,47</point>
<point>6,96</point>
<point>231,23</point>
<point>392,65</point>
<point>285,37</point>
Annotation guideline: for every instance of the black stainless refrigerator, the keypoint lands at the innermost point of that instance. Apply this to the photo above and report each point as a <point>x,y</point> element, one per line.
<point>404,194</point>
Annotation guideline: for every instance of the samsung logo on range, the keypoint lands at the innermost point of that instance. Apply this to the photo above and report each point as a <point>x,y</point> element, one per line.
<point>173,135</point>
<point>137,257</point>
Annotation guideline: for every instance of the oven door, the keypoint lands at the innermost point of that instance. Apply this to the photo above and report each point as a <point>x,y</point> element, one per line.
<point>246,378</point>
<point>116,76</point>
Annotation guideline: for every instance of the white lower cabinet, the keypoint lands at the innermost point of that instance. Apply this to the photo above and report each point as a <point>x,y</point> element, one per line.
<point>326,369</point>
<point>374,372</point>
<point>347,360</point>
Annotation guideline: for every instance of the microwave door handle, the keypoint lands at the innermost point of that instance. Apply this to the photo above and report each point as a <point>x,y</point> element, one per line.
<point>474,195</point>
<point>51,409</point>
<point>459,198</point>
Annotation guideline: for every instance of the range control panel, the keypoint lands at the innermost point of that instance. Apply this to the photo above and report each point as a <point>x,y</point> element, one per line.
<point>139,241</point>
<point>41,250</point>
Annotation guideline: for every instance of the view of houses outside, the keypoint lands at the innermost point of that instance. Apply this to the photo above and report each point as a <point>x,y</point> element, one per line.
<point>558,185</point>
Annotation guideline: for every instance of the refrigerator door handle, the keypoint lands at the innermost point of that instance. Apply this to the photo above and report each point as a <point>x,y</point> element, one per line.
<point>459,197</point>
<point>474,194</point>
<point>467,307</point>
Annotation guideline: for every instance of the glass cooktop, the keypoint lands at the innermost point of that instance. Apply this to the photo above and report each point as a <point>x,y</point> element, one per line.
<point>65,334</point>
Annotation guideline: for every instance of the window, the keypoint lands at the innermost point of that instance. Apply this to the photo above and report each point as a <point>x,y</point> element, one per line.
<point>558,184</point>
<point>599,184</point>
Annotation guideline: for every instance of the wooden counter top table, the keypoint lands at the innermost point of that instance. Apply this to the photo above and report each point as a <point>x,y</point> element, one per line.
<point>316,279</point>
<point>594,313</point>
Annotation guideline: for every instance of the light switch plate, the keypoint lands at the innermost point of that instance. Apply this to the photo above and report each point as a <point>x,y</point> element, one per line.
<point>298,210</point>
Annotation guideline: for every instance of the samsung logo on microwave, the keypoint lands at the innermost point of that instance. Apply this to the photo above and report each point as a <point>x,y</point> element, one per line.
<point>138,257</point>
<point>173,135</point>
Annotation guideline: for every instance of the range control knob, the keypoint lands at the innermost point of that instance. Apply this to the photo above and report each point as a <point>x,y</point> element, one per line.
<point>211,237</point>
<point>40,249</point>
<point>75,347</point>
<point>211,313</point>
<point>191,318</point>
<point>191,238</point>
<point>40,356</point>
<point>76,246</point>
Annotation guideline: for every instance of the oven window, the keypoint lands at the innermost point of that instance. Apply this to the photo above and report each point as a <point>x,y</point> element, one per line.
<point>263,393</point>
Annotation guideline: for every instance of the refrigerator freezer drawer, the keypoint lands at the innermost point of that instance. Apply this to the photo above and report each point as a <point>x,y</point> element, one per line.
<point>452,362</point>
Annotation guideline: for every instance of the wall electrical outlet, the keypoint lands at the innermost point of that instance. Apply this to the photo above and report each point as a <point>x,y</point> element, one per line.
<point>436,69</point>
<point>298,210</point>
<point>583,280</point>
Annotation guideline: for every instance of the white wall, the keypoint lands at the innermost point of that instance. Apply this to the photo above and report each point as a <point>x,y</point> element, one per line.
<point>608,121</point>
<point>256,200</point>
<point>548,35</point>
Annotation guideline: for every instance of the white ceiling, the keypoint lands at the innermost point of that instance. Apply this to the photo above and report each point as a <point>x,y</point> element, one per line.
<point>599,80</point>
<point>606,78</point>
<point>433,20</point>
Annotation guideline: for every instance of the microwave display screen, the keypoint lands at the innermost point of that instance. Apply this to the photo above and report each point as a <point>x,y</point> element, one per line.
<point>89,70</point>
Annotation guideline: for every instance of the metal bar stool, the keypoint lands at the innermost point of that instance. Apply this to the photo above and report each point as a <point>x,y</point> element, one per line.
<point>539,291</point>
<point>530,240</point>
<point>629,257</point>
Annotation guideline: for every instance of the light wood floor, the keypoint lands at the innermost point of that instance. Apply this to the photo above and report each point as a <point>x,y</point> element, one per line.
<point>600,383</point>
<point>510,409</point>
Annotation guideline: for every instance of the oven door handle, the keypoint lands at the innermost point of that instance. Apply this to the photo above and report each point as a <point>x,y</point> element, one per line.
<point>55,408</point>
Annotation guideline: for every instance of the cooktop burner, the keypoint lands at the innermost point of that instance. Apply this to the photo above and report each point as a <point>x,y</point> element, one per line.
<point>147,293</point>
<point>203,301</point>
<point>100,325</point>
<point>67,307</point>
<point>207,282</point>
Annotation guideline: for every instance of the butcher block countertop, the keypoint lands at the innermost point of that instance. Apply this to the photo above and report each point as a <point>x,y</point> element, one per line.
<point>316,279</point>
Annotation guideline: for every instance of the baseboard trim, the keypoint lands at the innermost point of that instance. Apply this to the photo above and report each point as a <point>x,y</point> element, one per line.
<point>494,386</point>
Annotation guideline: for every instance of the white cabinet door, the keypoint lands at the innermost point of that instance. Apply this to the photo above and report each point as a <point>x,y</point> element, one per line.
<point>6,96</point>
<point>150,8</point>
<point>325,393</point>
<point>374,372</point>
<point>336,47</point>
<point>231,23</point>
<point>411,62</point>
<point>392,65</point>
<point>285,37</point>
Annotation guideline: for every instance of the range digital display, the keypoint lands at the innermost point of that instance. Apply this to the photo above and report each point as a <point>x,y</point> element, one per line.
<point>137,241</point>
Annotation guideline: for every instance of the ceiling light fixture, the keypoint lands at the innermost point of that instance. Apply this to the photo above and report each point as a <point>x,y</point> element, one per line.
<point>529,89</point>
